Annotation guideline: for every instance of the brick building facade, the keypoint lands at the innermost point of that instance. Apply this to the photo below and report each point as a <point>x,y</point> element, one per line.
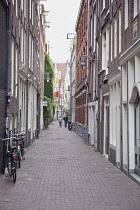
<point>3,72</point>
<point>22,68</point>
<point>112,87</point>
<point>119,84</point>
<point>81,73</point>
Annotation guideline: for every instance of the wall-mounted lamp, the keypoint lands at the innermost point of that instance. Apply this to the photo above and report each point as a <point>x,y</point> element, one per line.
<point>71,35</point>
<point>47,77</point>
<point>83,60</point>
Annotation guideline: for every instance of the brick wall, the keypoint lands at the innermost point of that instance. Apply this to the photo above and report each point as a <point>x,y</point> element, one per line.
<point>3,74</point>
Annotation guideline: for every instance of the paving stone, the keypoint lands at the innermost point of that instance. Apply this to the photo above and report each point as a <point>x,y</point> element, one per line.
<point>61,172</point>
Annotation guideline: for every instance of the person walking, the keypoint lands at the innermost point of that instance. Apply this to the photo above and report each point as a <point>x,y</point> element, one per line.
<point>66,120</point>
<point>60,121</point>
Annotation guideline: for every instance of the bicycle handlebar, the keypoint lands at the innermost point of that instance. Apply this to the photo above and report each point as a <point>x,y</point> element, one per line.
<point>8,138</point>
<point>18,134</point>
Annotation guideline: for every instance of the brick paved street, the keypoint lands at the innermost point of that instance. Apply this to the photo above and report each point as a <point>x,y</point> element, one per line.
<point>62,173</point>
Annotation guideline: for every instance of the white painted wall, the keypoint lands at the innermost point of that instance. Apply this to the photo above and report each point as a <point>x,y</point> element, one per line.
<point>32,109</point>
<point>124,116</point>
<point>106,103</point>
<point>131,133</point>
<point>22,105</point>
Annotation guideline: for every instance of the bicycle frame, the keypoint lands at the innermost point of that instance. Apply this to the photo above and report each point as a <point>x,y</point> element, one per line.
<point>19,142</point>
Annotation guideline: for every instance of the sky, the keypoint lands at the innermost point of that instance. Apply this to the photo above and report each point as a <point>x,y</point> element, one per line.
<point>62,17</point>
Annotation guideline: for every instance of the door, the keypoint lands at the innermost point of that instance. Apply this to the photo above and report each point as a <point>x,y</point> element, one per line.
<point>107,131</point>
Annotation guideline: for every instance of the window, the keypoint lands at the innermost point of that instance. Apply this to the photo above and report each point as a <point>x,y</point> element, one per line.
<point>94,80</point>
<point>107,4</point>
<point>115,37</point>
<point>30,51</point>
<point>111,40</point>
<point>12,69</point>
<point>24,8</point>
<point>105,49</point>
<point>95,25</point>
<point>33,9</point>
<point>136,7</point>
<point>126,13</point>
<point>91,28</point>
<point>21,4</point>
<point>16,7</point>
<point>32,54</point>
<point>103,4</point>
<point>16,69</point>
<point>120,32</point>
<point>30,13</point>
<point>22,44</point>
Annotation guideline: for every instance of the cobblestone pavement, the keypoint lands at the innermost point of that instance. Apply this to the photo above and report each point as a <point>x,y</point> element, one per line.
<point>60,172</point>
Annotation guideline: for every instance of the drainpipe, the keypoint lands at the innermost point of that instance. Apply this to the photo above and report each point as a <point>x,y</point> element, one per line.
<point>27,69</point>
<point>96,98</point>
<point>86,84</point>
<point>97,78</point>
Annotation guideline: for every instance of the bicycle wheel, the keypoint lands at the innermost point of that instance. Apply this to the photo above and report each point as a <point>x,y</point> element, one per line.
<point>22,151</point>
<point>9,167</point>
<point>14,171</point>
<point>18,160</point>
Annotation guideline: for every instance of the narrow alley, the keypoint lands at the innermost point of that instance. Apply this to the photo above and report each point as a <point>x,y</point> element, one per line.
<point>61,172</point>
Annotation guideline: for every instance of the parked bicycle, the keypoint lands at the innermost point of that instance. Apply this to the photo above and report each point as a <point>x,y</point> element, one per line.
<point>10,158</point>
<point>19,143</point>
<point>70,126</point>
